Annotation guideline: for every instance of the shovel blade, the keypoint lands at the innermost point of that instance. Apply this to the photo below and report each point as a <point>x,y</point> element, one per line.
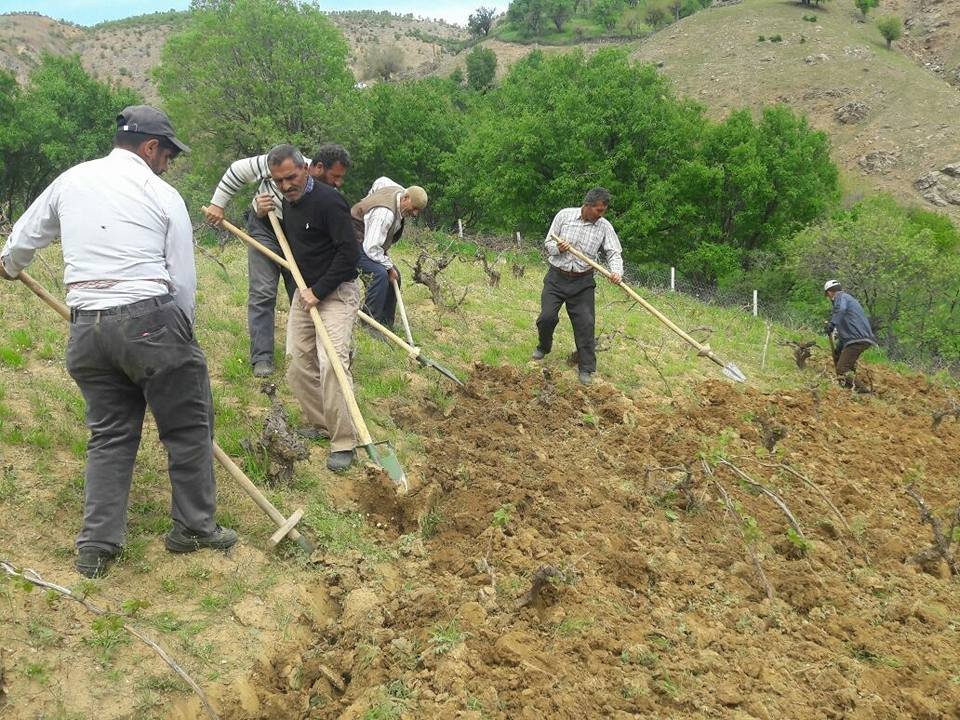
<point>386,458</point>
<point>427,362</point>
<point>733,372</point>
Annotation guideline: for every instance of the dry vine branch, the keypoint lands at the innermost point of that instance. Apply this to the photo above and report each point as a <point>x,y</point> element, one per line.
<point>493,275</point>
<point>766,344</point>
<point>942,542</point>
<point>938,417</point>
<point>777,500</point>
<point>801,352</point>
<point>737,521</point>
<point>429,278</point>
<point>544,575</point>
<point>34,579</point>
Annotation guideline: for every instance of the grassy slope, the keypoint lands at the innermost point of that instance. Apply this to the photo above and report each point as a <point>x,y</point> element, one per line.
<point>217,614</point>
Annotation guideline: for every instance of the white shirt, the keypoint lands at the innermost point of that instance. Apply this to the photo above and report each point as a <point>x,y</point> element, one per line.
<point>589,238</point>
<point>378,222</point>
<point>118,221</point>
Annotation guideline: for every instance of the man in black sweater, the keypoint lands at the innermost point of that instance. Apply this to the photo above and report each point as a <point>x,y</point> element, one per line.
<point>316,219</point>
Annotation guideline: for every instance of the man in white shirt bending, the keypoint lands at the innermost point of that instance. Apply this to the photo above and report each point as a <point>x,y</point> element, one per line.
<point>378,224</point>
<point>131,281</point>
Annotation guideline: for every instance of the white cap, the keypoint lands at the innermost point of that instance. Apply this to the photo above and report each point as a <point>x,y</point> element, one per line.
<point>831,285</point>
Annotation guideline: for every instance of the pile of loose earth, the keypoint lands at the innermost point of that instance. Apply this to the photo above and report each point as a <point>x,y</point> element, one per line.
<point>583,554</point>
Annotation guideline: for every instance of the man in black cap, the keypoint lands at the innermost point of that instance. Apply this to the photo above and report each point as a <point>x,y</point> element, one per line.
<point>854,335</point>
<point>131,281</point>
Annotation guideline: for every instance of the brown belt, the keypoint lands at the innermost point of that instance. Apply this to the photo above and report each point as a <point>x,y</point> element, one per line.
<point>570,273</point>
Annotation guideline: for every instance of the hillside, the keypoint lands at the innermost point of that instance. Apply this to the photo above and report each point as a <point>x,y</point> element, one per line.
<point>614,550</point>
<point>125,51</point>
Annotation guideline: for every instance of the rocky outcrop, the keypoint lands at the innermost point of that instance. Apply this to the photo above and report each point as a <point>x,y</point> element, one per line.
<point>851,112</point>
<point>878,162</point>
<point>940,187</point>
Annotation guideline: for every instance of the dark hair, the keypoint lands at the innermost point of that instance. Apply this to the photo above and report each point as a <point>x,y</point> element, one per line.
<point>330,154</point>
<point>597,195</point>
<point>133,140</point>
<point>283,152</point>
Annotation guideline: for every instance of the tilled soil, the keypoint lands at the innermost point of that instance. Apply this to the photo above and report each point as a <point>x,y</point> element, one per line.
<point>741,554</point>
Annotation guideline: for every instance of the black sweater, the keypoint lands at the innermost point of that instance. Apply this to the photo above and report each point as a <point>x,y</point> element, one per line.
<point>320,231</point>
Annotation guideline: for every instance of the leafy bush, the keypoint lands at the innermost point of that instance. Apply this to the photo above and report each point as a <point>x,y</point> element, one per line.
<point>481,68</point>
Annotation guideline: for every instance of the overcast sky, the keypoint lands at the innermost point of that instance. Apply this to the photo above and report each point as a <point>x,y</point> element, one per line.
<point>90,12</point>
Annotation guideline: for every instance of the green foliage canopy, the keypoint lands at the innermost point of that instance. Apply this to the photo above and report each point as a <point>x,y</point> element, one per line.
<point>62,117</point>
<point>247,74</point>
<point>890,28</point>
<point>481,68</point>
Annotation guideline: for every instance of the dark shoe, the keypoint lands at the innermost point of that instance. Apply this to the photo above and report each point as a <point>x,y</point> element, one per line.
<point>312,432</point>
<point>93,562</point>
<point>181,540</point>
<point>263,368</point>
<point>538,354</point>
<point>586,378</point>
<point>340,460</point>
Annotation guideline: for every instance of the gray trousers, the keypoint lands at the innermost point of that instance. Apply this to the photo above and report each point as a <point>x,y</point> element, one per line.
<point>578,294</point>
<point>124,359</point>
<point>263,275</point>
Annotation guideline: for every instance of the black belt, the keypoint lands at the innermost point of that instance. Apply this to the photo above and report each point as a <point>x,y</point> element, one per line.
<point>570,273</point>
<point>155,301</point>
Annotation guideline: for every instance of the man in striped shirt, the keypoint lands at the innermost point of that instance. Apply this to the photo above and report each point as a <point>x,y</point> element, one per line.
<point>329,165</point>
<point>570,280</point>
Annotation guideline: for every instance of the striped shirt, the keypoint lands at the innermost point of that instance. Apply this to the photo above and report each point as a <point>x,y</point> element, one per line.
<point>589,238</point>
<point>378,223</point>
<point>125,232</point>
<point>243,172</point>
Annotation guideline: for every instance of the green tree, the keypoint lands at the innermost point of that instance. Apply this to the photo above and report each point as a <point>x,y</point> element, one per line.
<point>901,264</point>
<point>866,5</point>
<point>481,68</point>
<point>60,118</point>
<point>481,20</point>
<point>655,16</point>
<point>406,131</point>
<point>244,75</point>
<point>891,28</point>
<point>528,16</point>
<point>559,11</point>
<point>607,12</point>
<point>383,61</point>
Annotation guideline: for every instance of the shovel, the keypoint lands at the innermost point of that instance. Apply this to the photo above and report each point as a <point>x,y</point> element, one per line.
<point>285,525</point>
<point>403,310</point>
<point>412,350</point>
<point>729,369</point>
<point>387,459</point>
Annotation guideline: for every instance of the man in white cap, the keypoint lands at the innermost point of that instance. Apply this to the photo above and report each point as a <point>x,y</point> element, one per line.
<point>131,281</point>
<point>854,335</point>
<point>378,224</point>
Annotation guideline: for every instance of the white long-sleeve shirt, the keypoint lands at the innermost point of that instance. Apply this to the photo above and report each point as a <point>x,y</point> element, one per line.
<point>378,223</point>
<point>587,237</point>
<point>244,172</point>
<point>121,226</point>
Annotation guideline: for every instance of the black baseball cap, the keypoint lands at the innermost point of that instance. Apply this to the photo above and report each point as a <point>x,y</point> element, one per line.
<point>150,121</point>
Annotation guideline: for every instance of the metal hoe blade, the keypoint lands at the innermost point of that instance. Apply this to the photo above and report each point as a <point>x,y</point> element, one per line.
<point>390,464</point>
<point>733,372</point>
<point>427,362</point>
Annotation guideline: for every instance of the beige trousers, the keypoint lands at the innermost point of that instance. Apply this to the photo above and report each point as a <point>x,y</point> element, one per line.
<point>310,376</point>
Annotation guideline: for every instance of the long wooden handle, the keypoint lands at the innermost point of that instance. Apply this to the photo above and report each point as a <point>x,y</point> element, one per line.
<point>411,349</point>
<point>402,309</point>
<point>42,293</point>
<point>701,348</point>
<point>362,433</point>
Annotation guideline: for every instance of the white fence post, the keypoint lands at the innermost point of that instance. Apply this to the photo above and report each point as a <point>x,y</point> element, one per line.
<point>460,228</point>
<point>754,303</point>
<point>673,279</point>
<point>519,244</point>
